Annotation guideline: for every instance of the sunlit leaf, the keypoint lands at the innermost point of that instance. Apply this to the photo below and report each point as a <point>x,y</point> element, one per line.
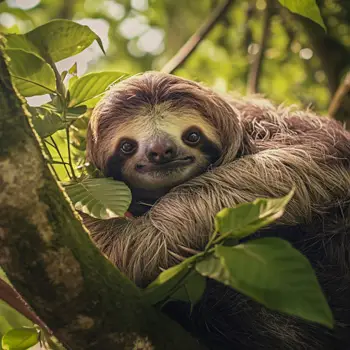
<point>246,218</point>
<point>11,318</point>
<point>59,138</point>
<point>71,82</point>
<point>21,42</point>
<point>306,8</point>
<point>73,70</point>
<point>57,39</point>
<point>20,339</point>
<point>31,74</point>
<point>46,122</point>
<point>100,198</point>
<point>92,85</point>
<point>272,272</point>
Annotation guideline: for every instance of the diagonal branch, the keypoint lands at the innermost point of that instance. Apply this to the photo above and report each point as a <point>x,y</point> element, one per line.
<point>188,48</point>
<point>255,72</point>
<point>12,298</point>
<point>339,96</point>
<point>50,259</point>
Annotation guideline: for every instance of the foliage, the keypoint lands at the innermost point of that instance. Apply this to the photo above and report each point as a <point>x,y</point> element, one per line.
<point>20,339</point>
<point>100,198</point>
<point>307,8</point>
<point>268,270</point>
<point>93,196</point>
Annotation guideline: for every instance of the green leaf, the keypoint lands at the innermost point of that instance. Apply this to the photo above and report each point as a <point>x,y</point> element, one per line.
<point>71,82</point>
<point>11,318</point>
<point>246,218</point>
<point>272,272</point>
<point>46,122</point>
<point>73,70</point>
<point>57,39</point>
<point>76,112</point>
<point>100,198</point>
<point>191,290</point>
<point>306,8</point>
<point>167,282</point>
<point>93,102</point>
<point>92,85</point>
<point>20,42</point>
<point>31,74</point>
<point>64,74</point>
<point>20,339</point>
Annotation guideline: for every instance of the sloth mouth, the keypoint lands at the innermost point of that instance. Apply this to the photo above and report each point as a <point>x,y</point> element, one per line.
<point>168,166</point>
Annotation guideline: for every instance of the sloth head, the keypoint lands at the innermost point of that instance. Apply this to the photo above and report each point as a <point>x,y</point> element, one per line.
<point>155,131</point>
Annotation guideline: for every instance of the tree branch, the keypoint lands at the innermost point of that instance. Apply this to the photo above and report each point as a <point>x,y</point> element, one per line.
<point>50,259</point>
<point>255,72</point>
<point>339,96</point>
<point>188,48</point>
<point>12,298</point>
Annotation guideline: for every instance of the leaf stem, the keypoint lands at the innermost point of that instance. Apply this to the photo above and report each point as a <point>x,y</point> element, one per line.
<point>51,160</point>
<point>178,285</point>
<point>69,154</point>
<point>60,155</point>
<point>211,240</point>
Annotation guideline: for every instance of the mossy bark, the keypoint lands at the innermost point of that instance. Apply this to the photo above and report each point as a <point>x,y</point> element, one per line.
<point>50,259</point>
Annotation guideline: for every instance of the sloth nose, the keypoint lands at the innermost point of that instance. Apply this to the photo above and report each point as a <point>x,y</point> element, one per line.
<point>161,151</point>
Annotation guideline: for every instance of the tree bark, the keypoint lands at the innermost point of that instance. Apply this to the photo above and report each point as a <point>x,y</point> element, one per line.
<point>50,259</point>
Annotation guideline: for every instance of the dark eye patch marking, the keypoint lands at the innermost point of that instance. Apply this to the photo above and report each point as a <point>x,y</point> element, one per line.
<point>116,161</point>
<point>209,148</point>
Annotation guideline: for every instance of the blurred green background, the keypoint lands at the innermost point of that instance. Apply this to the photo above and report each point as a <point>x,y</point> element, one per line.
<point>302,64</point>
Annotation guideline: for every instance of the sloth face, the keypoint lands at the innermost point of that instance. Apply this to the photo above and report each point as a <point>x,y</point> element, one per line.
<point>162,149</point>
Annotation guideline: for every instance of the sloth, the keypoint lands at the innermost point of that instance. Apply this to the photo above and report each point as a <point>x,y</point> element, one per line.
<point>187,152</point>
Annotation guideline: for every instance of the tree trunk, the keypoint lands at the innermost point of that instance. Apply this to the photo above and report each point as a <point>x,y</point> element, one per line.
<point>50,259</point>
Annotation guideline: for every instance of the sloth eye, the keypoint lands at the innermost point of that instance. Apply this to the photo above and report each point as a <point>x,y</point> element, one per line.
<point>127,147</point>
<point>192,137</point>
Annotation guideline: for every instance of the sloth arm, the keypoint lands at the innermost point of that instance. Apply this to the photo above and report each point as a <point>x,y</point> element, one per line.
<point>140,247</point>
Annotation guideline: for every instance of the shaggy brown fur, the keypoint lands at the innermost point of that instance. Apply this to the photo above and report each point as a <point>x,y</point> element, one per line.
<point>265,151</point>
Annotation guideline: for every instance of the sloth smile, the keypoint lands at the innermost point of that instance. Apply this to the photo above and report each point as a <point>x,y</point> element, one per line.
<point>169,166</point>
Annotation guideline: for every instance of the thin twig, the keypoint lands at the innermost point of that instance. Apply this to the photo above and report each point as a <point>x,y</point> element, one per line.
<point>339,95</point>
<point>12,298</point>
<point>60,155</point>
<point>69,154</point>
<point>60,88</point>
<point>49,143</point>
<point>188,48</point>
<point>57,162</point>
<point>247,32</point>
<point>51,159</point>
<point>255,72</point>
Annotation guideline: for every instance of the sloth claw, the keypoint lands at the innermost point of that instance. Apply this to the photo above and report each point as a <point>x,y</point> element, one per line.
<point>177,256</point>
<point>189,250</point>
